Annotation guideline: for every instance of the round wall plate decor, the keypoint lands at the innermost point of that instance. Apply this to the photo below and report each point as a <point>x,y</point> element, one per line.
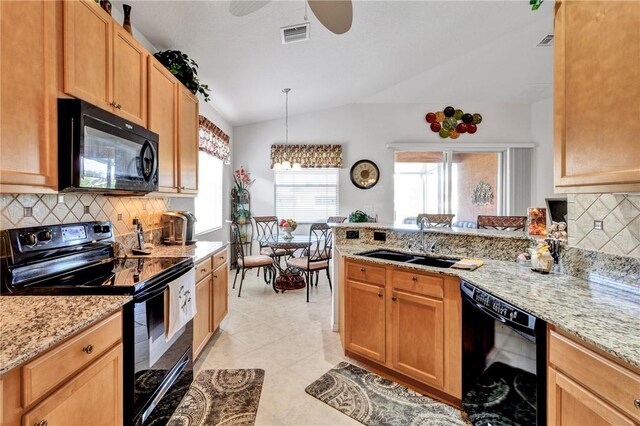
<point>364,174</point>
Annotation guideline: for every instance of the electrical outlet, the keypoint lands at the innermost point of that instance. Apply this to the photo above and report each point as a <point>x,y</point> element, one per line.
<point>86,210</point>
<point>598,224</point>
<point>60,199</point>
<point>353,235</point>
<point>379,236</point>
<point>28,212</point>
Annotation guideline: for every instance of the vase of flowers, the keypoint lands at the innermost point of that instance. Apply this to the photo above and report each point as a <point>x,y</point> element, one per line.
<point>242,180</point>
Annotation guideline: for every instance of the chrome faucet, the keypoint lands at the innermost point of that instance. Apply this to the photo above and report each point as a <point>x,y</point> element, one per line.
<point>423,224</point>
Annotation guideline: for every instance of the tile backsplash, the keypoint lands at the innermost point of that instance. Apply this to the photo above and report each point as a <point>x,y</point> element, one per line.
<point>620,216</point>
<point>23,210</point>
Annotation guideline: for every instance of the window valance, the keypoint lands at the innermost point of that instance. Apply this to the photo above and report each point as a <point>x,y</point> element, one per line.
<point>309,156</point>
<point>212,140</point>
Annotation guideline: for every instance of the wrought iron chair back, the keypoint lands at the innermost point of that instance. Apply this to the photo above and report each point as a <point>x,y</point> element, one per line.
<point>236,241</point>
<point>503,223</point>
<point>436,220</point>
<point>266,226</point>
<point>336,219</point>
<point>321,242</point>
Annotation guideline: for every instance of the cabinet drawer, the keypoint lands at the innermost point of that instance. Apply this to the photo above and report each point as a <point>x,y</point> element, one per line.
<point>219,259</point>
<point>612,382</point>
<point>51,369</point>
<point>418,283</point>
<point>366,272</point>
<point>203,269</point>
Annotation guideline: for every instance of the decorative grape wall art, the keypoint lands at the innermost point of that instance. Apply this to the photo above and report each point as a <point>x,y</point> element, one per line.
<point>451,122</point>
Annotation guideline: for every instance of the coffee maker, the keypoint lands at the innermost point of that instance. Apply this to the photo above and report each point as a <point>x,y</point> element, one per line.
<point>178,228</point>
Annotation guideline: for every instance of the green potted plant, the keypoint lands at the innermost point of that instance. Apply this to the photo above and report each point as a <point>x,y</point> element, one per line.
<point>242,216</point>
<point>185,70</point>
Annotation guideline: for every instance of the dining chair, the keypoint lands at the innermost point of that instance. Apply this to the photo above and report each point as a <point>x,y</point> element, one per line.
<point>317,256</point>
<point>267,226</point>
<point>503,223</point>
<point>245,263</point>
<point>436,220</point>
<point>336,219</point>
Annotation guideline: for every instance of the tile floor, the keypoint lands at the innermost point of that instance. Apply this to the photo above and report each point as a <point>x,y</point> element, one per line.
<point>288,338</point>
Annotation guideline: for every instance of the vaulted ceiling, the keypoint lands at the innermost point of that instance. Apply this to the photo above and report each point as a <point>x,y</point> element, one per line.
<point>396,52</point>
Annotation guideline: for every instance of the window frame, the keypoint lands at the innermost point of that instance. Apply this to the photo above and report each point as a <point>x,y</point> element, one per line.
<point>219,226</point>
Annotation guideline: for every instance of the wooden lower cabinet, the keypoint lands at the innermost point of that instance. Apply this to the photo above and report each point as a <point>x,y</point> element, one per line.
<point>407,322</point>
<point>94,397</point>
<point>212,298</point>
<point>79,381</point>
<point>202,321</point>
<point>417,324</point>
<point>365,320</point>
<point>587,388</point>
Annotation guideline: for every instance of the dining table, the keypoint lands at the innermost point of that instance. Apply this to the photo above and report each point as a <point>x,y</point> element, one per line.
<point>288,278</point>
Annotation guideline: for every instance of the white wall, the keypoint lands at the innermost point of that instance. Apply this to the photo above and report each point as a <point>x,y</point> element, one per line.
<point>542,135</point>
<point>364,130</point>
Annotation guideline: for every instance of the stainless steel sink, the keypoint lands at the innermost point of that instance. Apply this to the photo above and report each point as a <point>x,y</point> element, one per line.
<point>438,262</point>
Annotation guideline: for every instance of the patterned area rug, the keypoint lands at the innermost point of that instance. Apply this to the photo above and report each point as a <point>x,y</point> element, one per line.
<point>374,400</point>
<point>502,396</point>
<point>221,397</point>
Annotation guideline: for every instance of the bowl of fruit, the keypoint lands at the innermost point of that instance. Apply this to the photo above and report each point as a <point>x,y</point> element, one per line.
<point>287,226</point>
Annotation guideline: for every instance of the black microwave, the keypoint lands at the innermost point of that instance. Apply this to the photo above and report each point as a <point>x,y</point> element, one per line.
<point>101,152</point>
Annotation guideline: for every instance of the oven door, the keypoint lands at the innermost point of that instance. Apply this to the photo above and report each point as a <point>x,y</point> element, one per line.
<point>160,371</point>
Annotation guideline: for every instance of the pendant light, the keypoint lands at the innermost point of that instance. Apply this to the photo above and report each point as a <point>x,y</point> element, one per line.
<point>285,164</point>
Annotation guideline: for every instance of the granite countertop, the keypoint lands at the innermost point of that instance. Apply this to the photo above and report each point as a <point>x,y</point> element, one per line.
<point>198,251</point>
<point>29,325</point>
<point>445,230</point>
<point>604,315</point>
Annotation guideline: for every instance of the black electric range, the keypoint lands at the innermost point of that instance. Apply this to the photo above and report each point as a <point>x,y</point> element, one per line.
<point>78,259</point>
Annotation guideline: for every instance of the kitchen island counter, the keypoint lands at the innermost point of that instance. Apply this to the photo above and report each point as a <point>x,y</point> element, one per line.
<point>603,314</point>
<point>29,325</point>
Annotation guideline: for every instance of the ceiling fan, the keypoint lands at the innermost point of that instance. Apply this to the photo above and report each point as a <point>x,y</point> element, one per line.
<point>335,15</point>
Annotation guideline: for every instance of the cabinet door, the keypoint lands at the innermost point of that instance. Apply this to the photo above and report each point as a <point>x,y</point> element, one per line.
<point>417,337</point>
<point>129,77</point>
<point>365,320</point>
<point>597,87</point>
<point>187,140</point>
<point>87,52</point>
<point>162,114</point>
<point>28,96</point>
<point>570,404</point>
<point>220,295</point>
<point>202,319</point>
<point>94,397</point>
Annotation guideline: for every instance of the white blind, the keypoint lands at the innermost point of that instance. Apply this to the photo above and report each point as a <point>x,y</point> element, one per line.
<point>208,203</point>
<point>307,195</point>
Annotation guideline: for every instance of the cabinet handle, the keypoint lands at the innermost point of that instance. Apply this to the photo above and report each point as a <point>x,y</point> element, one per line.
<point>215,276</point>
<point>203,270</point>
<point>87,349</point>
<point>119,106</point>
<point>394,298</point>
<point>362,269</point>
<point>637,403</point>
<point>414,279</point>
<point>114,104</point>
<point>379,294</point>
<point>42,422</point>
<point>183,187</point>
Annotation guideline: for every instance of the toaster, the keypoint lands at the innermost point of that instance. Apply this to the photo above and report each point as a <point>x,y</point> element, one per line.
<point>178,228</point>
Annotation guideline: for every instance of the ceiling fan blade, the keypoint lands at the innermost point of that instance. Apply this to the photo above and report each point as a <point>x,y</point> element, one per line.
<point>245,7</point>
<point>335,15</point>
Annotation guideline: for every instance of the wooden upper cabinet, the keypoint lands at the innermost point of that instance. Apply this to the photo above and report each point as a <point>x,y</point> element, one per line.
<point>129,77</point>
<point>597,96</point>
<point>28,96</point>
<point>418,351</point>
<point>87,52</point>
<point>162,119</point>
<point>187,140</point>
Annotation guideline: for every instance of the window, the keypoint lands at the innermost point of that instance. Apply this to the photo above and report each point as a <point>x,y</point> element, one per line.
<point>466,184</point>
<point>209,200</point>
<point>308,195</point>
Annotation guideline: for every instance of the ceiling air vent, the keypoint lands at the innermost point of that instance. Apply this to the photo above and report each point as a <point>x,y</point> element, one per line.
<point>547,41</point>
<point>295,33</point>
